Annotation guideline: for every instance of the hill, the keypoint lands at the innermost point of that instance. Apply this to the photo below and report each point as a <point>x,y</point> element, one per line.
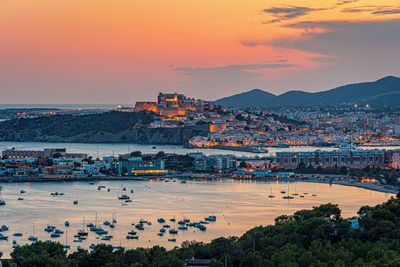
<point>111,127</point>
<point>385,91</point>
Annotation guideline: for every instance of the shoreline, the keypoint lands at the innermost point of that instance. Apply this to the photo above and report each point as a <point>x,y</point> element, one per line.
<point>373,187</point>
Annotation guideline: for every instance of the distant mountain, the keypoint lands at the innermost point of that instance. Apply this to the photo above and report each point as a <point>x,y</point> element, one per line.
<point>255,97</point>
<point>380,92</point>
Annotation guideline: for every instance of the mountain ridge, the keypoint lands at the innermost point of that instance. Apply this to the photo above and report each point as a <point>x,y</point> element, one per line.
<point>383,91</point>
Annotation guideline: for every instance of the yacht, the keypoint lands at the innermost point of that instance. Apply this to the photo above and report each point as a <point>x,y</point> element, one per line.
<point>123,197</point>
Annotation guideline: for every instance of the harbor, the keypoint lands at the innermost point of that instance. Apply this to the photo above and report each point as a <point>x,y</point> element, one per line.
<point>143,213</point>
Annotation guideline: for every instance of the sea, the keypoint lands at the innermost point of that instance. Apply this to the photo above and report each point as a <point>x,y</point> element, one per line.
<point>237,205</point>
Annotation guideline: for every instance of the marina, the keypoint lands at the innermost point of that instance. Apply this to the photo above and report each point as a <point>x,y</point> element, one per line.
<point>161,213</point>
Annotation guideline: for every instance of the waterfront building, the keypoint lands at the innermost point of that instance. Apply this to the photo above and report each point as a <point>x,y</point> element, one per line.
<point>13,153</point>
<point>138,166</point>
<point>46,153</point>
<point>395,160</point>
<point>219,163</point>
<point>356,159</point>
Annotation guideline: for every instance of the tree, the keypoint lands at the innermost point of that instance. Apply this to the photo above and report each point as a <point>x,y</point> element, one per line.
<point>136,154</point>
<point>40,254</point>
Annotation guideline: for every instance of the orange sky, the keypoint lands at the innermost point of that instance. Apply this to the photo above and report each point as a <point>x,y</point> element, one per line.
<point>119,51</point>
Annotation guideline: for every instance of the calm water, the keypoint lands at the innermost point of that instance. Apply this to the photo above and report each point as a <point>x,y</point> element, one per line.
<point>238,206</point>
<point>107,149</point>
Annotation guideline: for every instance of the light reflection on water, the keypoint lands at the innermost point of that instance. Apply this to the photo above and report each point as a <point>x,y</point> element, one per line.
<point>239,206</point>
<point>108,149</point>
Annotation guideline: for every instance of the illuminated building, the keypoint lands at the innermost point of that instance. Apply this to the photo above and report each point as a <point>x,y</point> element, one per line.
<point>138,166</point>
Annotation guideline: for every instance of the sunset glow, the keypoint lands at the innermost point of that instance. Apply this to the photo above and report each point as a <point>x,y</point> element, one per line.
<point>120,51</point>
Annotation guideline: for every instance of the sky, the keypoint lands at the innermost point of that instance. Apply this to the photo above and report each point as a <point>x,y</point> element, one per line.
<point>122,51</point>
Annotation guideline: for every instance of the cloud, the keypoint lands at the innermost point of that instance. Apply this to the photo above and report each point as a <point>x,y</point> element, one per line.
<point>375,10</point>
<point>288,12</point>
<point>354,51</point>
<point>214,81</point>
<point>387,11</point>
<point>344,2</point>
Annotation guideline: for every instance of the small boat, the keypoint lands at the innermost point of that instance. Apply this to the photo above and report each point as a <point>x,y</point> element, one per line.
<point>128,200</point>
<point>132,237</point>
<point>139,226</point>
<point>82,233</point>
<point>108,189</point>
<point>2,203</point>
<point>49,228</point>
<point>171,239</point>
<point>106,223</point>
<point>283,192</point>
<point>172,220</point>
<point>17,234</point>
<point>123,197</point>
<point>160,234</point>
<point>288,197</point>
<point>132,191</point>
<point>301,196</point>
<point>4,228</point>
<point>33,238</point>
<point>107,237</point>
<point>82,238</point>
<point>202,227</point>
<point>55,235</point>
<point>211,218</point>
<point>3,237</point>
<point>92,183</point>
<point>20,198</point>
<point>77,241</point>
<point>118,248</point>
<point>182,227</point>
<point>183,182</point>
<point>163,230</point>
<point>58,231</point>
<point>112,225</point>
<point>15,244</point>
<point>154,147</point>
<point>166,226</point>
<point>92,246</point>
<point>75,202</point>
<point>66,246</point>
<point>160,220</point>
<point>314,195</point>
<point>22,192</point>
<point>66,223</point>
<point>173,231</point>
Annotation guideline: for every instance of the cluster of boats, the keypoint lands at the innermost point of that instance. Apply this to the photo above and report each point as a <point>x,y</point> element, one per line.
<point>290,196</point>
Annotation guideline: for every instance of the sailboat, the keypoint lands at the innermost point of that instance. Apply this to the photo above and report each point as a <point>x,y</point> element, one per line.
<point>66,246</point>
<point>32,237</point>
<point>288,196</point>
<point>271,195</point>
<point>2,202</point>
<point>173,231</point>
<point>82,232</point>
<point>295,191</point>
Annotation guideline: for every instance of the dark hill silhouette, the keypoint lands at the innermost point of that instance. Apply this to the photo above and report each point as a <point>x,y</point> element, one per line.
<point>380,92</point>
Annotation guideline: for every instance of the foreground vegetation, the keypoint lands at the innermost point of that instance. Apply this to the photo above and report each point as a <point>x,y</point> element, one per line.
<point>316,237</point>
